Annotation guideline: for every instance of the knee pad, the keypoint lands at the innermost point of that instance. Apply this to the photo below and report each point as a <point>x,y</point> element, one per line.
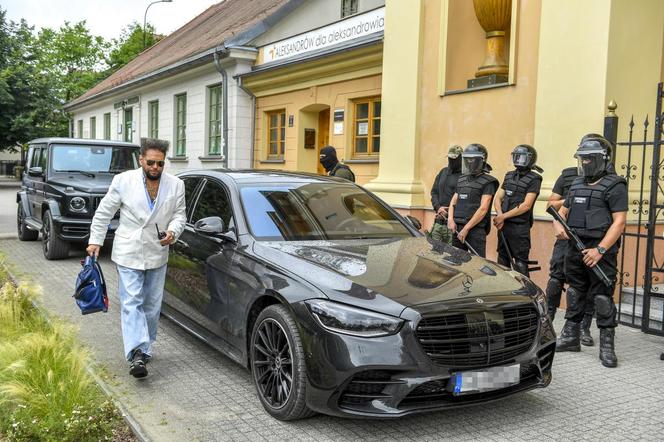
<point>573,299</point>
<point>521,267</point>
<point>603,306</point>
<point>554,287</point>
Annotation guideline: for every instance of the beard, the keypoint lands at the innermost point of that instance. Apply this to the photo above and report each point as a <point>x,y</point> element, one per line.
<point>152,176</point>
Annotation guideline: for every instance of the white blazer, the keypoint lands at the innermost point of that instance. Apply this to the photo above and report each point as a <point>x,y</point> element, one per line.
<point>136,244</point>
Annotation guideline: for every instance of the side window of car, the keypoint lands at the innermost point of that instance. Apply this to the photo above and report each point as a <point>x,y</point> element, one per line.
<point>43,158</point>
<point>34,156</point>
<point>214,202</point>
<point>190,185</point>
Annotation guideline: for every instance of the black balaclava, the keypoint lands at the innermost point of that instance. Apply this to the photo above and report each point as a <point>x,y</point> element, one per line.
<point>454,164</point>
<point>328,158</point>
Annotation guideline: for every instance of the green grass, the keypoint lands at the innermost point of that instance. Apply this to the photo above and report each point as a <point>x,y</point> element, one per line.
<point>46,392</point>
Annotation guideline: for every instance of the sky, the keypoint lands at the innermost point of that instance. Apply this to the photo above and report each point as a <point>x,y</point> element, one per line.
<point>105,17</point>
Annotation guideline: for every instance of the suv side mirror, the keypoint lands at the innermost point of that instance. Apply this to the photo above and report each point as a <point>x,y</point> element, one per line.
<point>415,222</point>
<point>36,171</point>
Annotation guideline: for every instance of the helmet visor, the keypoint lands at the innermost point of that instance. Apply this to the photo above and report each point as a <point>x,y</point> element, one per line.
<point>472,165</point>
<point>521,159</point>
<point>591,164</point>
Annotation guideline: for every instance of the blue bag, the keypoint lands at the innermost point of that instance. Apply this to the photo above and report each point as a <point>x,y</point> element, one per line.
<point>90,290</point>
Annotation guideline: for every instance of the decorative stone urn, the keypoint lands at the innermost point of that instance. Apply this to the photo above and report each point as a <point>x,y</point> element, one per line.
<point>494,17</point>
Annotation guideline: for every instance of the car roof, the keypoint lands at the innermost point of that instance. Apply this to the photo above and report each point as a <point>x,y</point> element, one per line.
<point>264,176</point>
<point>85,141</point>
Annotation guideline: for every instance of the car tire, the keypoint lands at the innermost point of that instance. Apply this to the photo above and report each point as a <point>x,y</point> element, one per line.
<point>24,234</point>
<point>54,247</point>
<point>270,368</point>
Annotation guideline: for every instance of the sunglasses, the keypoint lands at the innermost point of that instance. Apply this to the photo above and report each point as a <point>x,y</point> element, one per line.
<point>152,163</point>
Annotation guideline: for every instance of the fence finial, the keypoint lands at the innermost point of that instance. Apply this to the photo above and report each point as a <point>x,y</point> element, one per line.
<point>612,108</point>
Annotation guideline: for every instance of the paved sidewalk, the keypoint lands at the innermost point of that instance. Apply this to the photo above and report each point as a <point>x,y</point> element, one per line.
<point>195,393</point>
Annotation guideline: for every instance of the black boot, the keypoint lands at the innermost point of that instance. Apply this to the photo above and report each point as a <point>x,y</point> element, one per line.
<point>607,353</point>
<point>586,338</point>
<point>569,337</point>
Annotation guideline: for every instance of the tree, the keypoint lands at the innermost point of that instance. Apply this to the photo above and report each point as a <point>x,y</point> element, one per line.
<point>39,73</point>
<point>130,44</point>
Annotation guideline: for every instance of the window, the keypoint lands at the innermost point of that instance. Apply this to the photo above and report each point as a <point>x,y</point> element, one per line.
<point>213,201</point>
<point>93,127</point>
<point>153,119</point>
<point>80,128</point>
<point>190,186</point>
<point>107,126</point>
<point>180,125</point>
<point>129,124</point>
<point>214,123</point>
<point>366,127</point>
<point>276,134</point>
<point>348,7</point>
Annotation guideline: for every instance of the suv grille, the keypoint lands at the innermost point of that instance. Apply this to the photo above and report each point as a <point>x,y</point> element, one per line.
<point>478,338</point>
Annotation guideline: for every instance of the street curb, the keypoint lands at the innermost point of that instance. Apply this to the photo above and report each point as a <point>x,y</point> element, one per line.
<point>133,424</point>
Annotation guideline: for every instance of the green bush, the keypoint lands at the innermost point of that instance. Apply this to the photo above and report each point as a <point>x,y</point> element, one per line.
<point>46,392</point>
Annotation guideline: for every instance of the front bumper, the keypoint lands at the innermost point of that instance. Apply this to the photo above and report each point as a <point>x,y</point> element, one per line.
<point>393,376</point>
<point>78,229</point>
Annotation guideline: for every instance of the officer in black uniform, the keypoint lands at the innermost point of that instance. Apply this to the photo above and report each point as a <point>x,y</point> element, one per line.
<point>469,213</point>
<point>514,207</point>
<point>328,159</point>
<point>444,187</point>
<point>596,208</point>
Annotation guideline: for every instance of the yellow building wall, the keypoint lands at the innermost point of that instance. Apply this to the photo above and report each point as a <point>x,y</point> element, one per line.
<point>304,105</point>
<point>499,118</point>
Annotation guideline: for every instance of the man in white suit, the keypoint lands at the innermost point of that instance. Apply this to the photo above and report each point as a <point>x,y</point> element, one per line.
<point>150,202</point>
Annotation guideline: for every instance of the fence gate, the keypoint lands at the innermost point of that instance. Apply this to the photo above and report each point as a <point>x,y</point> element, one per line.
<point>641,260</point>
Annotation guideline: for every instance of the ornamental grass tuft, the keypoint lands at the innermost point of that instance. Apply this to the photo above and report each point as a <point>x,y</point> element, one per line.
<point>46,391</point>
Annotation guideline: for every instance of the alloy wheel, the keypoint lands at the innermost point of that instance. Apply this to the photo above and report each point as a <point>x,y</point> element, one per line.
<point>273,363</point>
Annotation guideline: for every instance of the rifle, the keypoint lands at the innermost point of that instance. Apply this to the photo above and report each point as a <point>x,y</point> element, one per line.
<point>597,270</point>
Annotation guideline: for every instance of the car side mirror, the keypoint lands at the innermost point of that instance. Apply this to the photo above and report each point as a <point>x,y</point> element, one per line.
<point>213,226</point>
<point>415,222</point>
<point>36,171</point>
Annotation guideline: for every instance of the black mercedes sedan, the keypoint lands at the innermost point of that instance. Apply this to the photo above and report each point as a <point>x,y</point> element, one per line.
<point>339,305</point>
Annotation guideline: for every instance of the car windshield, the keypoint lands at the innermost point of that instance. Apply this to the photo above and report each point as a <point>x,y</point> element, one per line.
<point>315,211</point>
<point>93,158</point>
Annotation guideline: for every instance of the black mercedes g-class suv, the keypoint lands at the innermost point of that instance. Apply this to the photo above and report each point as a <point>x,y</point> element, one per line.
<point>63,182</point>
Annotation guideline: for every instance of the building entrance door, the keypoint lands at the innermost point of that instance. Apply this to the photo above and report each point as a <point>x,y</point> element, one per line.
<point>323,135</point>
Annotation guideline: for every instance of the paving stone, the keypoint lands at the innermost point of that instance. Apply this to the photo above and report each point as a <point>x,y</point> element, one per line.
<point>195,393</point>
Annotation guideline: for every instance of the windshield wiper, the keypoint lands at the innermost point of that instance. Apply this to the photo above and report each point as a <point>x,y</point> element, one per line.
<point>114,171</point>
<point>84,172</point>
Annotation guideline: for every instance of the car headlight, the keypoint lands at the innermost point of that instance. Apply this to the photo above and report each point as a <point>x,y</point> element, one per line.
<point>77,204</point>
<point>353,321</point>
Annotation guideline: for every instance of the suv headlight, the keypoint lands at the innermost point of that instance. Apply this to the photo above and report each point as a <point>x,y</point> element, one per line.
<point>77,204</point>
<point>353,321</point>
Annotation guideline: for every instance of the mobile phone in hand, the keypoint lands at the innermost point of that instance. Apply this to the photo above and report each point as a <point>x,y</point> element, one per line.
<point>160,234</point>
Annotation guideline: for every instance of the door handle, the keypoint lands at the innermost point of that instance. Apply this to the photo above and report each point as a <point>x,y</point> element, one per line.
<point>179,244</point>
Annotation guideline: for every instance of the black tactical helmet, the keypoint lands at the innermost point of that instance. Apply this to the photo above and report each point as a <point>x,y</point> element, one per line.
<point>524,156</point>
<point>474,157</point>
<point>594,157</point>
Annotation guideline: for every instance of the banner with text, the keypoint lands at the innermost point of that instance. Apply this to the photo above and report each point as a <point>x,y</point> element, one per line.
<point>340,32</point>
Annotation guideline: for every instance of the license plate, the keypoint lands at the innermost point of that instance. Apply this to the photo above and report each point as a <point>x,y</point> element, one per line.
<point>493,378</point>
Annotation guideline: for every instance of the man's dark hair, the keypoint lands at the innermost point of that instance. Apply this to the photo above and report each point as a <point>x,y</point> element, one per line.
<point>153,143</point>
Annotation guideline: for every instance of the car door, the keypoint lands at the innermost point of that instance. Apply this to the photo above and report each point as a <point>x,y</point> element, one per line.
<point>205,262</point>
<point>34,185</point>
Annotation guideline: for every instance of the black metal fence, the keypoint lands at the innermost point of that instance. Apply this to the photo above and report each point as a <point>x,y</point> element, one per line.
<point>641,262</point>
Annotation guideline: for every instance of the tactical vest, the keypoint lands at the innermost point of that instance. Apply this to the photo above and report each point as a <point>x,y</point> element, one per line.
<point>516,188</point>
<point>589,214</point>
<point>469,191</point>
<point>569,175</point>
<point>447,186</point>
<point>333,172</point>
